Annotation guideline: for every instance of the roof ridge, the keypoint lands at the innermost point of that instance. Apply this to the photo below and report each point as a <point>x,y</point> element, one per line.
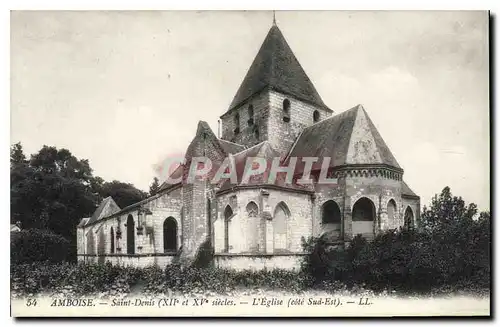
<point>333,116</point>
<point>231,142</point>
<point>355,108</point>
<point>293,145</point>
<point>253,146</point>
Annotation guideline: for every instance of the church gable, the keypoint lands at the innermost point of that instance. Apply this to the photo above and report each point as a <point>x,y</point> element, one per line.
<point>205,144</point>
<point>362,147</point>
<point>328,138</point>
<point>366,145</point>
<point>347,138</point>
<point>107,207</point>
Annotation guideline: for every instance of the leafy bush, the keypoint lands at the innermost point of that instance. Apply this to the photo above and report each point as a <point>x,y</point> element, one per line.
<point>406,260</point>
<point>220,281</point>
<point>106,279</point>
<point>450,252</point>
<point>72,279</point>
<point>34,245</point>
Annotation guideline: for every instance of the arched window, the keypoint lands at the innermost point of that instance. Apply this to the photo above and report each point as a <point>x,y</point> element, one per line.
<point>391,210</point>
<point>250,115</point>
<point>90,242</point>
<point>170,235</point>
<point>253,227</point>
<point>409,220</point>
<point>101,247</point>
<point>330,213</point>
<point>363,217</point>
<point>252,209</point>
<point>331,220</point>
<point>237,123</point>
<point>256,133</point>
<point>130,235</point>
<point>112,240</point>
<point>228,213</point>
<point>316,116</point>
<point>286,110</point>
<point>280,229</point>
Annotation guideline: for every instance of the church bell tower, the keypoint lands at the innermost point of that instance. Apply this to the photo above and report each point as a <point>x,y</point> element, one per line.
<point>276,99</point>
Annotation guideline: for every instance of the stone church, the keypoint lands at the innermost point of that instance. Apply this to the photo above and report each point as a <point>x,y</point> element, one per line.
<point>276,112</point>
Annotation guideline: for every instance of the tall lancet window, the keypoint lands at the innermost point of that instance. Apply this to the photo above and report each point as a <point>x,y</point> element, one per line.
<point>228,214</point>
<point>252,226</point>
<point>280,228</point>
<point>130,235</point>
<point>250,115</point>
<point>170,235</point>
<point>286,110</point>
<point>112,240</point>
<point>237,123</point>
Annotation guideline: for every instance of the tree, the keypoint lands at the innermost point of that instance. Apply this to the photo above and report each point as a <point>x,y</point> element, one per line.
<point>62,162</point>
<point>461,240</point>
<point>17,155</point>
<point>54,190</point>
<point>445,209</point>
<point>50,191</point>
<point>154,187</point>
<point>124,194</point>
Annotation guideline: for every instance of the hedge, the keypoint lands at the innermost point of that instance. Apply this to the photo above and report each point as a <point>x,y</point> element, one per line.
<point>455,258</point>
<point>84,279</point>
<point>33,245</point>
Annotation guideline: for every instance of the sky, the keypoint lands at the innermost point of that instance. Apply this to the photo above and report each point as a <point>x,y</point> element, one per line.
<point>127,89</point>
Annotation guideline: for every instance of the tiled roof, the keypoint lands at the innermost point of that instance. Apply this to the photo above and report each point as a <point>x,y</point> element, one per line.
<point>276,66</point>
<point>347,138</point>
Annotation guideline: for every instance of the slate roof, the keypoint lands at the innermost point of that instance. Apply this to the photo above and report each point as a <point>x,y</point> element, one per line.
<point>261,150</point>
<point>406,191</point>
<point>230,147</point>
<point>83,222</point>
<point>277,67</point>
<point>107,207</point>
<point>347,138</point>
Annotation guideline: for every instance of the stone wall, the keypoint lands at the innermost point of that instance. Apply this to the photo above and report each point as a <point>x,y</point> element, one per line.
<point>242,227</point>
<point>268,118</point>
<point>80,240</point>
<point>414,205</point>
<point>141,261</point>
<point>283,134</point>
<point>256,262</point>
<point>247,132</point>
<point>148,240</point>
<point>196,195</point>
<point>378,190</point>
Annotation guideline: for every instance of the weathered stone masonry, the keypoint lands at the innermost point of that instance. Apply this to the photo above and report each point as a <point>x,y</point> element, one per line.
<point>276,112</point>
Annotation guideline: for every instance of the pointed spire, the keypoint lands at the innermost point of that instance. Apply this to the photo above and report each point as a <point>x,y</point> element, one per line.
<point>276,66</point>
<point>274,17</point>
